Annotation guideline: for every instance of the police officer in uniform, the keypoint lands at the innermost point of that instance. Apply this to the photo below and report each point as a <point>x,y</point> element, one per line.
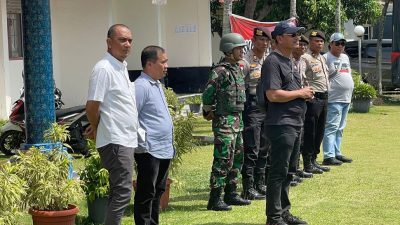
<point>316,76</point>
<point>223,102</point>
<point>254,140</point>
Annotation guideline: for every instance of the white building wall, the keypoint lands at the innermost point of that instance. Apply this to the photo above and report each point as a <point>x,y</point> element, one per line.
<point>79,40</point>
<point>3,61</point>
<point>141,17</point>
<point>10,70</point>
<point>188,33</point>
<point>79,30</point>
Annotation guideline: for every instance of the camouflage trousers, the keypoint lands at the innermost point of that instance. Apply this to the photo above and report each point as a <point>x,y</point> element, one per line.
<point>228,159</point>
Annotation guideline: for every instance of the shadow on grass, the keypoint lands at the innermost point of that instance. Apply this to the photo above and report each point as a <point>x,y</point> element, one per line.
<point>186,208</point>
<point>129,210</point>
<point>218,223</point>
<point>191,197</point>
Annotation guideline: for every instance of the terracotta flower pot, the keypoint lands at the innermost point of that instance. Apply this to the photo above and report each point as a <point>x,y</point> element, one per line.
<point>63,217</point>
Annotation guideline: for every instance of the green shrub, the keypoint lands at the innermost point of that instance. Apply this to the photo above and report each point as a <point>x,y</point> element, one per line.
<point>94,176</point>
<point>356,77</point>
<point>47,174</point>
<point>183,128</point>
<point>194,100</point>
<point>363,91</point>
<point>2,122</point>
<point>12,193</point>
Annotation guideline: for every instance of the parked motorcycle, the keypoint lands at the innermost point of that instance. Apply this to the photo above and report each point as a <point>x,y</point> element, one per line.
<point>13,132</point>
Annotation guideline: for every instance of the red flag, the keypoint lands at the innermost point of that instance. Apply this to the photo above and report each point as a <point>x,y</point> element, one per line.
<point>245,26</point>
<point>394,56</point>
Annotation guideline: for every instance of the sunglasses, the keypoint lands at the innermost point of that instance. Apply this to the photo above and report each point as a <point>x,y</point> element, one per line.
<point>292,35</point>
<point>342,43</point>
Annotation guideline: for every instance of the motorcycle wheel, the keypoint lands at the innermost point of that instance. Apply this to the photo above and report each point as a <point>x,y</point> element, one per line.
<point>10,141</point>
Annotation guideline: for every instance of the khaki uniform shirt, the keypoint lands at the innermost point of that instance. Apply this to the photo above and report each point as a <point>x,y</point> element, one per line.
<point>315,72</point>
<point>252,71</point>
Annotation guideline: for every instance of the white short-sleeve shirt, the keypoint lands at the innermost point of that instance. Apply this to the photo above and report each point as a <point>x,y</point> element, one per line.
<point>110,85</point>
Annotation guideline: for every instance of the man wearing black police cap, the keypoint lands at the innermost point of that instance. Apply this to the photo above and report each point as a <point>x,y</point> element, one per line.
<point>255,144</point>
<point>284,120</point>
<point>317,77</point>
<point>299,65</point>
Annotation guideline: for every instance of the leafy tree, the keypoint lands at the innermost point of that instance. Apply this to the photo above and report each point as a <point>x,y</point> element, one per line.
<point>313,14</point>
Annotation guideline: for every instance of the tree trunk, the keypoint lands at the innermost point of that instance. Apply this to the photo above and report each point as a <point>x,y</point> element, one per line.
<point>226,26</point>
<point>379,46</point>
<point>338,21</point>
<point>264,11</point>
<point>249,8</point>
<point>293,9</point>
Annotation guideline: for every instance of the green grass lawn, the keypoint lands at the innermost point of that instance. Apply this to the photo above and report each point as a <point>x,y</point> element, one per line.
<point>365,192</point>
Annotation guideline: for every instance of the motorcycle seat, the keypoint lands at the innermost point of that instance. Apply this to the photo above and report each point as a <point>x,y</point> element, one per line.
<point>71,110</point>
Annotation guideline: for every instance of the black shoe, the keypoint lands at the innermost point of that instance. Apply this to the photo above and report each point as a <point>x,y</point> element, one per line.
<point>277,223</point>
<point>344,159</point>
<point>218,205</point>
<point>261,188</point>
<point>314,170</point>
<point>215,202</point>
<point>292,220</point>
<point>235,199</point>
<point>323,168</point>
<point>303,174</point>
<point>252,194</point>
<point>332,162</point>
<point>297,179</point>
<point>294,183</point>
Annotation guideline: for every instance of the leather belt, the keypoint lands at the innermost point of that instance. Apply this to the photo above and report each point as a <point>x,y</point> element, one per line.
<point>321,95</point>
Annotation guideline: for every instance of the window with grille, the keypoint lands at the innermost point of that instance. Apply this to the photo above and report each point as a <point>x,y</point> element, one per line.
<point>14,28</point>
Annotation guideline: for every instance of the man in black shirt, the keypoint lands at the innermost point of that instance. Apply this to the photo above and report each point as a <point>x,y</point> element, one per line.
<point>285,116</point>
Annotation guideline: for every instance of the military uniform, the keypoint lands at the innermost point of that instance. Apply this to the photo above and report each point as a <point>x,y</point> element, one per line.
<point>316,76</point>
<point>225,95</point>
<point>255,143</point>
<point>223,102</point>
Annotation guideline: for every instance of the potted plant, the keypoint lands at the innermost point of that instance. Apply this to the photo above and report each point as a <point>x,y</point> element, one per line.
<point>12,192</point>
<point>194,103</point>
<point>363,93</point>
<point>95,184</point>
<point>49,189</point>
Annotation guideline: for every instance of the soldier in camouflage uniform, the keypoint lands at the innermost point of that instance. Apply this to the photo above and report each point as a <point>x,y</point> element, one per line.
<point>255,143</point>
<point>223,102</point>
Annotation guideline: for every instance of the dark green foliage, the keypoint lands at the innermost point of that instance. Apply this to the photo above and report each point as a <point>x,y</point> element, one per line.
<point>93,176</point>
<point>312,14</point>
<point>362,91</point>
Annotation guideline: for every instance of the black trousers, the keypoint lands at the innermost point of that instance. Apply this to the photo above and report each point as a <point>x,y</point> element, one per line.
<point>152,176</point>
<point>285,144</point>
<point>254,142</point>
<point>314,127</point>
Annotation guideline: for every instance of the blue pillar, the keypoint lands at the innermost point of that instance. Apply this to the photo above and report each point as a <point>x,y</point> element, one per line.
<point>38,69</point>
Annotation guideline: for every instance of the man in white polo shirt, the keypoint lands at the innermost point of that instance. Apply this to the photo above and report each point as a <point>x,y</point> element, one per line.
<point>112,113</point>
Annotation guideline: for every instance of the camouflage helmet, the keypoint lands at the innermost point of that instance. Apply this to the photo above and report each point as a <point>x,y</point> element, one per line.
<point>230,41</point>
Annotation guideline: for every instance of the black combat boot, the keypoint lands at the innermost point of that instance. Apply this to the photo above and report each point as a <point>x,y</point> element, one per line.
<point>215,202</point>
<point>303,174</point>
<point>316,164</point>
<point>249,192</point>
<point>231,197</point>
<point>309,166</point>
<point>259,184</point>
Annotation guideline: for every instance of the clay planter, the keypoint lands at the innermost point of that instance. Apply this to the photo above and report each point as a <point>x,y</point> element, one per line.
<point>97,209</point>
<point>64,217</point>
<point>164,197</point>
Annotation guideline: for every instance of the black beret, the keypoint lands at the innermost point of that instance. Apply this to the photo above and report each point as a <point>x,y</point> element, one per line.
<point>262,31</point>
<point>304,39</point>
<point>317,33</point>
